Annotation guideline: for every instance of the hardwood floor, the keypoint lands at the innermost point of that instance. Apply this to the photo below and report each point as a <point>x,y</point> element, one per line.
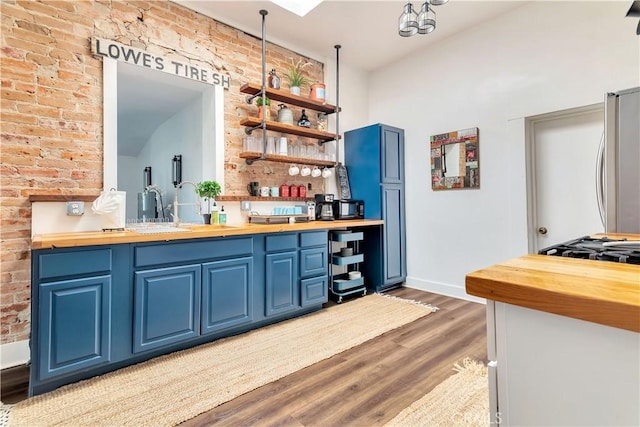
<point>365,385</point>
<point>371,383</point>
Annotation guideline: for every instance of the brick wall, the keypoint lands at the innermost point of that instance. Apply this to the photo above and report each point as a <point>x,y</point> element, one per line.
<point>51,113</point>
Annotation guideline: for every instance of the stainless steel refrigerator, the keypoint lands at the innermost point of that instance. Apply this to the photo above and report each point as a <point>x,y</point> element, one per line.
<point>618,170</point>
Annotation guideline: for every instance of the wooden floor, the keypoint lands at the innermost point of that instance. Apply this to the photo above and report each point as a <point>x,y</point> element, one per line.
<point>365,385</point>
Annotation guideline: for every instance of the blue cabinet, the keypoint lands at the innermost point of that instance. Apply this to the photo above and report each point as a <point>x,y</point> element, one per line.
<point>100,308</point>
<point>374,156</point>
<point>314,268</point>
<point>281,283</point>
<point>74,318</point>
<point>296,271</point>
<point>227,294</point>
<point>166,306</point>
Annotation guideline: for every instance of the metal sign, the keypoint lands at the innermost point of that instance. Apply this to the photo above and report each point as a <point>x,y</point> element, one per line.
<point>132,55</point>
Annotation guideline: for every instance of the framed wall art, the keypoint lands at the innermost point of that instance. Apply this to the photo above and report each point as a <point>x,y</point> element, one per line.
<point>455,160</point>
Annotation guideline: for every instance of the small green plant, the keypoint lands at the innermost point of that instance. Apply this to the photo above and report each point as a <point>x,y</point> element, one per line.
<point>267,101</point>
<point>294,74</point>
<point>208,190</point>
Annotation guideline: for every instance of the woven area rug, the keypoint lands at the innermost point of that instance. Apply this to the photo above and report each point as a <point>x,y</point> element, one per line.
<point>461,400</point>
<point>173,388</point>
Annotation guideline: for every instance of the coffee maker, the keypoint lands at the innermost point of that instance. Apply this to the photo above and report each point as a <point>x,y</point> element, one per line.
<point>324,207</point>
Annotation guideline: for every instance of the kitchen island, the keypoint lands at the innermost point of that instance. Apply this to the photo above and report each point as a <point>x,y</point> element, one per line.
<point>105,300</point>
<point>563,340</point>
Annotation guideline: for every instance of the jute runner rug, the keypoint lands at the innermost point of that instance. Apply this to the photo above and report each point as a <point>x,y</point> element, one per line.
<point>173,388</point>
<point>462,400</point>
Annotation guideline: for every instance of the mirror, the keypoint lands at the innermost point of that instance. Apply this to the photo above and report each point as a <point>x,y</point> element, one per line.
<point>454,160</point>
<point>150,117</point>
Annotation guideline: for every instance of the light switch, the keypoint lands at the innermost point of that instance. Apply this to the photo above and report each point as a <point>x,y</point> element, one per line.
<point>75,208</point>
<point>245,206</point>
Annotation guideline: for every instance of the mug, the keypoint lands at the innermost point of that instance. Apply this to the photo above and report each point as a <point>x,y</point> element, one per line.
<point>316,172</point>
<point>305,171</point>
<point>253,188</point>
<point>293,170</point>
<point>275,191</point>
<point>264,191</point>
<point>326,173</point>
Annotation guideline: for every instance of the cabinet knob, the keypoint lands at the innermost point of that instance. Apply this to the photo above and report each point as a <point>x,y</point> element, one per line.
<point>542,230</point>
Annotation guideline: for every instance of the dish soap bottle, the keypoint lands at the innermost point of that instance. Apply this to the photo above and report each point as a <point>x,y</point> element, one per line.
<point>215,217</point>
<point>222,216</point>
<point>274,80</point>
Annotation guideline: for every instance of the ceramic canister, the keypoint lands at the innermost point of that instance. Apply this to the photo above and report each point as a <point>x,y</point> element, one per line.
<point>317,92</point>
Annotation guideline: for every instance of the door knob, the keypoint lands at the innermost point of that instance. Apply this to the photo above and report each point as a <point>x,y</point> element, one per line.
<point>542,230</point>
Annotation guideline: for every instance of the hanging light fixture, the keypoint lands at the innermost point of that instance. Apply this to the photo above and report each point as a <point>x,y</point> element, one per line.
<point>410,23</point>
<point>426,19</point>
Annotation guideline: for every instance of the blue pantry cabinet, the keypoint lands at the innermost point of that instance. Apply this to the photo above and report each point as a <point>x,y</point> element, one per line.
<point>99,308</point>
<point>374,157</point>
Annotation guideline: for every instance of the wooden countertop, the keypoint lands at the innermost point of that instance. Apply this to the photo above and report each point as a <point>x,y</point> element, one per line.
<point>90,238</point>
<point>596,291</point>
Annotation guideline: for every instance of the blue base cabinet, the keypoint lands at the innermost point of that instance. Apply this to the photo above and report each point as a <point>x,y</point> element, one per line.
<point>100,308</point>
<point>374,157</point>
<point>75,316</point>
<point>166,306</point>
<point>227,294</point>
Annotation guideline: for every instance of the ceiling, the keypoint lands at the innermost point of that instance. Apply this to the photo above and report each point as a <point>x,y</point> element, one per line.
<point>366,30</point>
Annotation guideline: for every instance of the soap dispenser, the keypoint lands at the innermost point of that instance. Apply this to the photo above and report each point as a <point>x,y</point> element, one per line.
<point>222,216</point>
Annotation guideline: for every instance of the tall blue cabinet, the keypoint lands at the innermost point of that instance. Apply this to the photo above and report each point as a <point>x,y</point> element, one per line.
<point>374,157</point>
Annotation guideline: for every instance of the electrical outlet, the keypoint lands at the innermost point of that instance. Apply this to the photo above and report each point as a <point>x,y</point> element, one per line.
<point>245,206</point>
<point>75,208</point>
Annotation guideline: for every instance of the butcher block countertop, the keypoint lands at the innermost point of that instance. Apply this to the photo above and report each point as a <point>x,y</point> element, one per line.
<point>596,291</point>
<point>90,238</point>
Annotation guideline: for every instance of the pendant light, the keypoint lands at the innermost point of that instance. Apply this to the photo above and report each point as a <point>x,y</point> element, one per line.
<point>408,22</point>
<point>426,19</point>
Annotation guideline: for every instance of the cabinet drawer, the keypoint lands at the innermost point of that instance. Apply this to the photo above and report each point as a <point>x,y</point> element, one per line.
<point>192,251</point>
<point>315,238</point>
<point>282,242</point>
<point>314,291</point>
<point>313,262</point>
<point>74,263</point>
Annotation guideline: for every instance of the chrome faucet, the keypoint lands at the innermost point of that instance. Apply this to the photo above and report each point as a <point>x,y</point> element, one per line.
<point>176,204</point>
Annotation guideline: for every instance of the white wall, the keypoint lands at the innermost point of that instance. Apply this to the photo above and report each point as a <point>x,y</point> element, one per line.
<point>542,57</point>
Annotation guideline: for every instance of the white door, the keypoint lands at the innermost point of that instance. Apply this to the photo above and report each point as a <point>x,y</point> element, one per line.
<point>563,151</point>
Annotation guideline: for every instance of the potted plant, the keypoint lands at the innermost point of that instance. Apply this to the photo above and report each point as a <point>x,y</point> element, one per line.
<point>208,190</point>
<point>266,110</point>
<point>295,75</point>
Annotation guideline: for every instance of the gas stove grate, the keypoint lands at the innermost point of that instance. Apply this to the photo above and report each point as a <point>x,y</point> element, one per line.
<point>594,249</point>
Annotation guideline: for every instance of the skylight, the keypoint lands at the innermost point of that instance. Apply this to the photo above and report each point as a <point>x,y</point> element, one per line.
<point>299,7</point>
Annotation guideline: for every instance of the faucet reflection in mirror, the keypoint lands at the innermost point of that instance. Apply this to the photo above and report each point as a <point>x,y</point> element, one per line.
<point>177,204</point>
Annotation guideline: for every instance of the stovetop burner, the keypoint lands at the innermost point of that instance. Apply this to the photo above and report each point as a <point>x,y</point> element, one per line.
<point>603,249</point>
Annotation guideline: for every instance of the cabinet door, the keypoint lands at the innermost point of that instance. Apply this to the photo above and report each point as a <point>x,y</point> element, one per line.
<point>392,152</point>
<point>282,289</point>
<point>166,306</point>
<point>227,294</point>
<point>74,325</point>
<point>394,246</point>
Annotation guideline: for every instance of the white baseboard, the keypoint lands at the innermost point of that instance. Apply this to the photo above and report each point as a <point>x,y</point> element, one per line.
<point>14,354</point>
<point>442,289</point>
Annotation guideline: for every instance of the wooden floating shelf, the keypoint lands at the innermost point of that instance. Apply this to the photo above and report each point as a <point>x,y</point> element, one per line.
<point>285,96</point>
<point>254,155</point>
<point>232,198</point>
<point>290,129</point>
